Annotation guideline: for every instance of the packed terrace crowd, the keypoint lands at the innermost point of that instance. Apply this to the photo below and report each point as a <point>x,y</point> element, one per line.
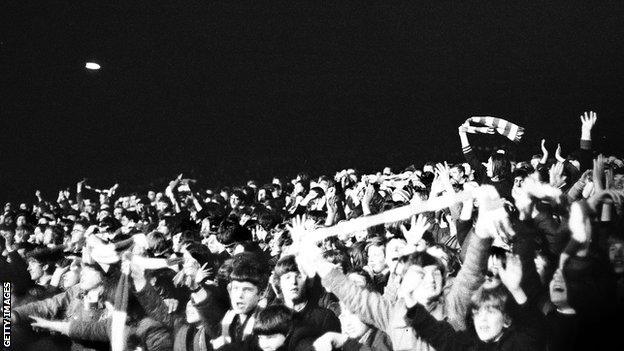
<point>491,254</point>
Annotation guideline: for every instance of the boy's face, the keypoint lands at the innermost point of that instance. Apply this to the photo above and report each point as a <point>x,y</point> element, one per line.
<point>47,236</point>
<point>489,322</point>
<point>558,290</point>
<point>616,256</point>
<point>214,245</point>
<point>90,278</point>
<point>21,220</point>
<point>36,269</point>
<point>456,174</point>
<point>271,342</point>
<point>71,278</point>
<point>244,297</point>
<point>292,285</point>
<point>535,162</point>
<point>424,282</point>
<point>274,246</point>
<point>376,258</point>
<point>77,233</point>
<point>234,201</point>
<point>351,324</point>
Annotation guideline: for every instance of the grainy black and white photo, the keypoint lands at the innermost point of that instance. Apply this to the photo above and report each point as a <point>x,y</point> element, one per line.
<point>225,175</point>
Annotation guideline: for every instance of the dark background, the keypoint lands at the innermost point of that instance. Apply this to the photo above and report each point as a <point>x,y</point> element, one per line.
<point>228,90</point>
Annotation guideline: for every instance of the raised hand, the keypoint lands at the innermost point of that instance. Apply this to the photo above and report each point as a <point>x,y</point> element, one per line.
<point>558,154</point>
<point>493,220</point>
<point>544,152</point>
<point>57,326</point>
<point>443,170</point>
<point>556,178</point>
<point>57,275</point>
<point>369,193</point>
<point>588,120</point>
<point>297,230</point>
<point>598,172</point>
<point>329,341</point>
<point>541,191</point>
<point>417,229</point>
<point>203,273</point>
<point>511,274</point>
<point>172,305</point>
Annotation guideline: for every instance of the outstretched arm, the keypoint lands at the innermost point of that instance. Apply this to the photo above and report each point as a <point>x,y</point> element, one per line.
<point>588,120</point>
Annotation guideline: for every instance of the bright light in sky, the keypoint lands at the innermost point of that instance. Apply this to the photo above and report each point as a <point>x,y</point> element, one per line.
<point>92,65</point>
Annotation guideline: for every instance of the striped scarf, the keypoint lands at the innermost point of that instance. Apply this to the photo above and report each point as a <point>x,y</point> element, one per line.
<point>489,125</point>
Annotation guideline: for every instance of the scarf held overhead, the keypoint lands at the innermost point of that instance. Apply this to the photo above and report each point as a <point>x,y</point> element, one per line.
<point>489,125</point>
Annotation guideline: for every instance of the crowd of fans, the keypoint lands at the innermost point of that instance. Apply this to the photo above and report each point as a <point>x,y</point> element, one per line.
<point>499,255</point>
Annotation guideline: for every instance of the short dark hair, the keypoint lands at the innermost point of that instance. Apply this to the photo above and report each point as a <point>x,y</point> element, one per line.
<point>57,234</point>
<point>131,215</point>
<point>189,236</point>
<point>231,232</point>
<point>252,268</point>
<point>358,254</point>
<point>497,297</point>
<point>202,255</point>
<point>361,272</point>
<point>46,256</point>
<point>275,319</point>
<point>285,265</point>
<point>422,259</point>
<point>110,223</point>
<point>338,257</point>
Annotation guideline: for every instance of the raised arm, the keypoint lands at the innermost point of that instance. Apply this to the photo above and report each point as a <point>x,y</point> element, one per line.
<point>371,307</point>
<point>149,298</point>
<point>479,170</point>
<point>588,120</point>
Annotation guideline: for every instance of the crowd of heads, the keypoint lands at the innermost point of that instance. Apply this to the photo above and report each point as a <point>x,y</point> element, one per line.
<point>513,237</point>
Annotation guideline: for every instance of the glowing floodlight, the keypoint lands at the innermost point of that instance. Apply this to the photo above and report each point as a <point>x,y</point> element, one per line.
<point>92,66</point>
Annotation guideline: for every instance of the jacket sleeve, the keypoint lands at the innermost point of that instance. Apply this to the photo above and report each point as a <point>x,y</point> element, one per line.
<point>90,330</point>
<point>576,191</point>
<point>157,337</point>
<point>370,306</point>
<point>463,227</point>
<point>468,280</point>
<point>390,290</point>
<point>51,308</point>
<point>585,155</point>
<point>531,325</point>
<point>155,307</point>
<point>331,322</point>
<point>471,158</point>
<point>438,334</point>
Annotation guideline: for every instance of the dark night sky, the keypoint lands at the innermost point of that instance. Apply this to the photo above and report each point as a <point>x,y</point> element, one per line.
<point>228,88</point>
